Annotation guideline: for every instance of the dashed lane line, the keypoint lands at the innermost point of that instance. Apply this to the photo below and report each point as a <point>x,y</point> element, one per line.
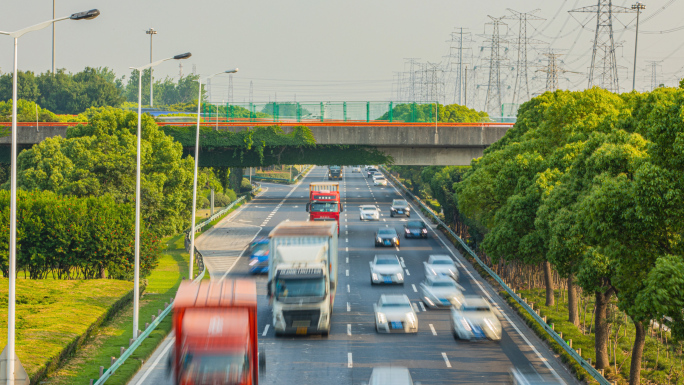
<point>446,360</point>
<point>432,328</point>
<point>414,288</point>
<point>268,326</point>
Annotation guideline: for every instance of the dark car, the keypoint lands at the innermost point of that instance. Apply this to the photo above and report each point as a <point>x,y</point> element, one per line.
<point>415,229</point>
<point>386,236</point>
<point>372,171</point>
<point>400,207</point>
<point>258,256</point>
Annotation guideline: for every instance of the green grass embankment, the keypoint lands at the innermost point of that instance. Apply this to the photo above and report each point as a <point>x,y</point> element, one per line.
<point>54,317</point>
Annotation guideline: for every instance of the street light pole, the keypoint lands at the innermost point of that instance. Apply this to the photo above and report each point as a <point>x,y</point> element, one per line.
<point>194,180</point>
<point>151,32</point>
<point>136,274</point>
<point>11,298</point>
<point>53,38</point>
<point>638,6</point>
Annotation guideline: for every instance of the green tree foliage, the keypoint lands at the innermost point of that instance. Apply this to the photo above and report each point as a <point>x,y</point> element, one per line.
<point>99,159</point>
<point>453,113</point>
<point>69,237</point>
<point>27,111</point>
<point>27,86</point>
<point>166,91</point>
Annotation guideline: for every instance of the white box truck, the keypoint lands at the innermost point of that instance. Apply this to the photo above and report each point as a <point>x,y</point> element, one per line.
<point>302,276</point>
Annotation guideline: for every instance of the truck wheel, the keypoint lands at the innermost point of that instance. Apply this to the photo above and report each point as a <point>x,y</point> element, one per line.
<point>326,332</point>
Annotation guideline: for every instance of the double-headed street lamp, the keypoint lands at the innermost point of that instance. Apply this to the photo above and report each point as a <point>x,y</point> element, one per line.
<point>194,182</point>
<point>136,278</point>
<point>10,354</point>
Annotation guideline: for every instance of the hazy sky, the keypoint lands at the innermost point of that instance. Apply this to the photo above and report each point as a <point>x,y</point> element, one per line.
<point>325,49</point>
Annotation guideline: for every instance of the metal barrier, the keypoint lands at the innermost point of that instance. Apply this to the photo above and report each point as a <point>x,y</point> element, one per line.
<point>199,259</point>
<point>587,366</point>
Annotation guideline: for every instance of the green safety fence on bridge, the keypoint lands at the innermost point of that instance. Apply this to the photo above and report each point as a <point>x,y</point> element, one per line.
<point>393,111</point>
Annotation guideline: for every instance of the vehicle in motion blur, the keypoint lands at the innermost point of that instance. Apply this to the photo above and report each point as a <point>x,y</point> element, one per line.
<point>356,169</point>
<point>371,171</point>
<point>324,202</point>
<point>395,314</point>
<point>334,172</point>
<point>369,213</point>
<point>215,324</point>
<point>475,319</point>
<point>529,376</point>
<point>386,236</point>
<point>302,276</point>
<point>441,265</point>
<point>415,229</point>
<point>386,269</point>
<point>258,256</point>
<point>441,292</point>
<point>400,207</point>
<point>379,180</point>
<point>390,375</point>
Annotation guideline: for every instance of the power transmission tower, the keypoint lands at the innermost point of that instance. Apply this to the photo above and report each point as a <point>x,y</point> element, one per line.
<point>603,71</point>
<point>654,73</point>
<point>458,37</point>
<point>494,99</point>
<point>412,79</point>
<point>180,68</point>
<point>521,89</point>
<point>251,92</point>
<point>230,89</point>
<point>194,69</point>
<point>552,70</point>
<point>208,88</point>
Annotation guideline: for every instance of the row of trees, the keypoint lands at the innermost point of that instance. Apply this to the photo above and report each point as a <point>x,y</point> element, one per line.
<point>67,93</point>
<point>590,184</point>
<point>67,237</point>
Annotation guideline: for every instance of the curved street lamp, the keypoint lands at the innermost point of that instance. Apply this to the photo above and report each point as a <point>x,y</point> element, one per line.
<point>10,350</point>
<point>194,181</point>
<point>136,278</point>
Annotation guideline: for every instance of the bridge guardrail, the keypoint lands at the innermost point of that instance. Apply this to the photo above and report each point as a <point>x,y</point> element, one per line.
<point>585,365</point>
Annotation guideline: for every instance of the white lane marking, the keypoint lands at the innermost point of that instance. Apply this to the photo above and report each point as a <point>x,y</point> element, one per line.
<point>346,232</point>
<point>348,289</point>
<point>408,272</point>
<point>384,220</point>
<point>346,249</point>
<point>348,307</point>
<point>156,362</point>
<point>346,239</point>
<point>446,360</point>
<point>422,307</point>
<point>414,288</point>
<point>348,329</point>
<point>265,330</point>
<point>402,262</point>
<point>350,364</point>
<point>432,328</point>
<point>347,272</point>
<point>415,307</point>
<point>347,259</point>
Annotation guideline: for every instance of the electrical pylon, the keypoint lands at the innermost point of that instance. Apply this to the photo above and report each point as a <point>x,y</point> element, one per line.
<point>654,73</point>
<point>521,89</point>
<point>458,37</point>
<point>603,71</point>
<point>494,99</point>
<point>552,70</point>
<point>230,89</point>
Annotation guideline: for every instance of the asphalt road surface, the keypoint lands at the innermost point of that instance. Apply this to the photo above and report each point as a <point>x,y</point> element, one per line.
<point>353,348</point>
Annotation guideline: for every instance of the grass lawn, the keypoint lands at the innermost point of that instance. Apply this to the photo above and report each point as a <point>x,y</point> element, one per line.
<point>52,315</point>
<point>162,285</point>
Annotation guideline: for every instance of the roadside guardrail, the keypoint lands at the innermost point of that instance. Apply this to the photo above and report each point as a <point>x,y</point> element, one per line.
<point>585,365</point>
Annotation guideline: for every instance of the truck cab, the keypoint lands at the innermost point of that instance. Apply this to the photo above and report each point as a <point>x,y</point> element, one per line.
<point>324,202</point>
<point>334,172</point>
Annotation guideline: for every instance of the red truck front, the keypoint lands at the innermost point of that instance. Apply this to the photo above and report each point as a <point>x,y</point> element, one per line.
<point>216,334</point>
<point>324,202</point>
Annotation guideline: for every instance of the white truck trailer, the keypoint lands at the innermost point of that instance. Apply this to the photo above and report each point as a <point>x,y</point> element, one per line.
<point>302,276</point>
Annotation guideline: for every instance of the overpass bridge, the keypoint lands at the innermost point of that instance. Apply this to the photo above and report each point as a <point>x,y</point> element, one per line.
<point>416,144</point>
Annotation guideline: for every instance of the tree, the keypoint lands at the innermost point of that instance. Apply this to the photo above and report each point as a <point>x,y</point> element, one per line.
<point>27,86</point>
<point>26,112</point>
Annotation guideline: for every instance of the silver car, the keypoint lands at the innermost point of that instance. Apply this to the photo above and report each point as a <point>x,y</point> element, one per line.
<point>441,265</point>
<point>390,375</point>
<point>386,269</point>
<point>379,180</point>
<point>368,212</point>
<point>475,319</point>
<point>441,292</point>
<point>356,169</point>
<point>394,314</point>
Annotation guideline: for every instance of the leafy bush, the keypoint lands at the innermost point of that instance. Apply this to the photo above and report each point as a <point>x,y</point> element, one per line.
<point>245,185</point>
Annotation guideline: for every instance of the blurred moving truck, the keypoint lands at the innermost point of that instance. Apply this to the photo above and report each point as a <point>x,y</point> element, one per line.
<point>302,276</point>
<point>216,334</point>
<point>324,202</point>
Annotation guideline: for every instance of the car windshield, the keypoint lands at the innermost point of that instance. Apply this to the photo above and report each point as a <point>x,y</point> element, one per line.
<point>379,178</point>
<point>395,304</point>
<point>443,284</point>
<point>398,203</point>
<point>389,232</point>
<point>442,262</point>
<point>260,248</point>
<point>224,368</point>
<point>415,224</point>
<point>386,261</point>
<point>300,287</point>
<point>368,208</point>
<point>324,207</point>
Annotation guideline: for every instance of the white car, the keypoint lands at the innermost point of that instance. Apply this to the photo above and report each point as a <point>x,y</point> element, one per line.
<point>379,180</point>
<point>386,269</point>
<point>441,292</point>
<point>356,169</point>
<point>441,265</point>
<point>394,313</point>
<point>368,212</point>
<point>475,319</point>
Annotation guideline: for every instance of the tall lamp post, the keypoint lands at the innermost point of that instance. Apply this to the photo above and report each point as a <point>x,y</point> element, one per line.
<point>136,278</point>
<point>194,181</point>
<point>638,6</point>
<point>151,32</point>
<point>10,351</point>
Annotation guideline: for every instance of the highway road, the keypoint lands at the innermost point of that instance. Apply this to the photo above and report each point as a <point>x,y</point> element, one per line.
<point>353,348</point>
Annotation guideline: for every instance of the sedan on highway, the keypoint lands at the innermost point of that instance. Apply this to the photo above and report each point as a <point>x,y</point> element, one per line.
<point>400,207</point>
<point>475,319</point>
<point>386,236</point>
<point>441,292</point>
<point>379,180</point>
<point>368,212</point>
<point>371,171</point>
<point>386,269</point>
<point>415,229</point>
<point>441,265</point>
<point>258,256</point>
<point>394,314</point>
<point>356,169</point>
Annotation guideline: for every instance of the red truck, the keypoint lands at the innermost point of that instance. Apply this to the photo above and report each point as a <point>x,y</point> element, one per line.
<point>216,334</point>
<point>324,202</point>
